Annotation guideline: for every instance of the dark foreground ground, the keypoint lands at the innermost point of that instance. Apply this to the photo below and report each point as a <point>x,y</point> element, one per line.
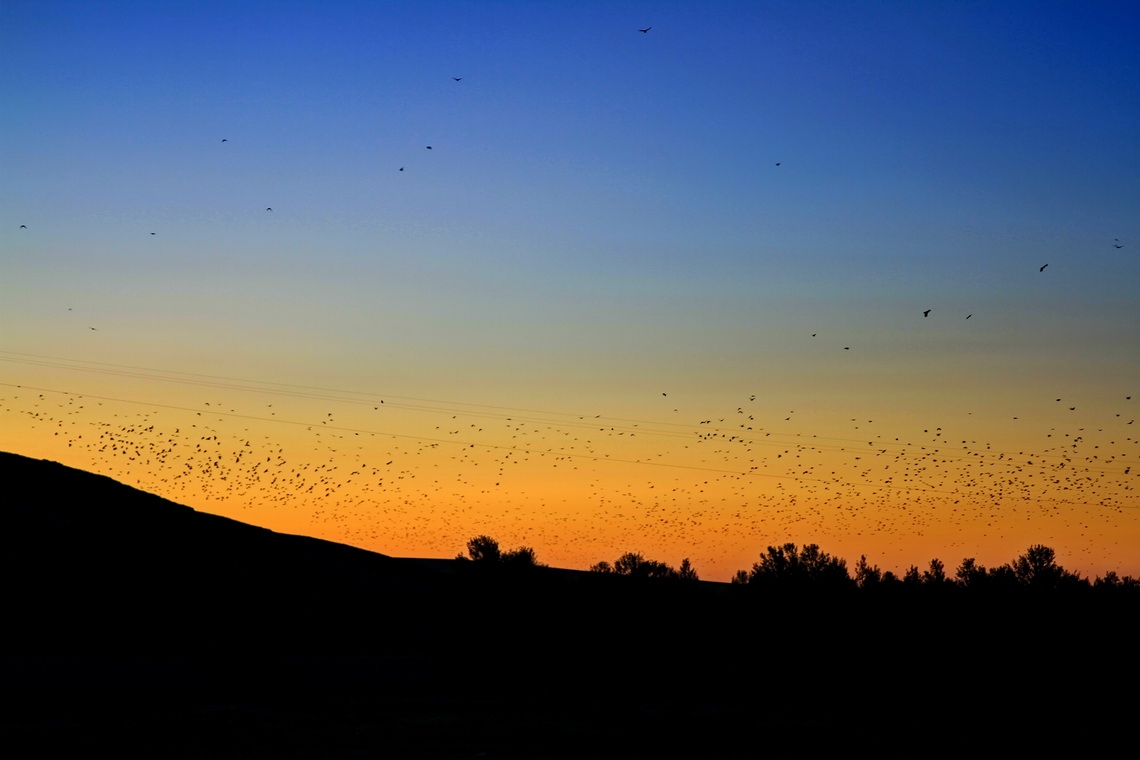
<point>142,628</point>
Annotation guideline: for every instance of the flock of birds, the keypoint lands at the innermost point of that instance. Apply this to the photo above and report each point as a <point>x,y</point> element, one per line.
<point>415,476</point>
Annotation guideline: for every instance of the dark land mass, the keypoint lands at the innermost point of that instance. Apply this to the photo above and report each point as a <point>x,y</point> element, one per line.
<point>144,627</point>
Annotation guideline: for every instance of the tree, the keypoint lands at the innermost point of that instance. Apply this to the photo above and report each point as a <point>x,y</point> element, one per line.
<point>790,566</point>
<point>523,556</point>
<point>686,572</point>
<point>970,574</point>
<point>866,575</point>
<point>1038,568</point>
<point>484,549</point>
<point>936,575</point>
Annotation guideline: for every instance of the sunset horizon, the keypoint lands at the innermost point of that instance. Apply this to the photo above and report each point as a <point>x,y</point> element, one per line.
<point>686,281</point>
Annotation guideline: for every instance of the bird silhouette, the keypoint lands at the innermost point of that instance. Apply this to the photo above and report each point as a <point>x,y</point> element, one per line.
<point>224,140</point>
<point>926,313</point>
<point>429,147</point>
<point>457,78</point>
<point>777,163</point>
<point>23,226</point>
<point>969,315</point>
<point>268,209</point>
<point>1118,244</point>
<point>401,168</point>
<point>1042,269</point>
<point>645,30</point>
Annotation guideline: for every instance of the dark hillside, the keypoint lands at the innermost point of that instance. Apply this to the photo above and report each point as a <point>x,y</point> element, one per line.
<point>130,616</point>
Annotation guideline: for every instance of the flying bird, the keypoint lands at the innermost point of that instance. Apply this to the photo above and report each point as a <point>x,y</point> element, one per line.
<point>268,209</point>
<point>429,147</point>
<point>401,168</point>
<point>1042,269</point>
<point>457,78</point>
<point>23,226</point>
<point>1118,244</point>
<point>969,315</point>
<point>926,314</point>
<point>645,30</point>
<point>152,233</point>
<point>224,140</point>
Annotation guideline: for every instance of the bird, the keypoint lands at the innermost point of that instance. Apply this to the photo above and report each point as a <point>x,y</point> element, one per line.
<point>23,226</point>
<point>777,163</point>
<point>645,30</point>
<point>457,78</point>
<point>152,233</point>
<point>926,314</point>
<point>1042,269</point>
<point>969,315</point>
<point>268,209</point>
<point>429,147</point>
<point>1118,244</point>
<point>401,168</point>
<point>224,140</point>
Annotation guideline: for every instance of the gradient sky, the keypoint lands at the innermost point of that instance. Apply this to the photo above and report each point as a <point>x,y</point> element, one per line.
<point>589,309</point>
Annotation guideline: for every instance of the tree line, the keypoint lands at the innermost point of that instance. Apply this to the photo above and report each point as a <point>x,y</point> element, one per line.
<point>809,568</point>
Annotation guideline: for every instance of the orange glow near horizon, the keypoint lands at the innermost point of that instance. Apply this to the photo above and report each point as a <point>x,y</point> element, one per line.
<point>417,477</point>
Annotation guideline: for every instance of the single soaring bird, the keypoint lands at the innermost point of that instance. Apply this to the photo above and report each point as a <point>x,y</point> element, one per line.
<point>1042,269</point>
<point>23,226</point>
<point>645,30</point>
<point>401,168</point>
<point>224,140</point>
<point>1118,244</point>
<point>268,209</point>
<point>926,313</point>
<point>429,147</point>
<point>969,315</point>
<point>457,78</point>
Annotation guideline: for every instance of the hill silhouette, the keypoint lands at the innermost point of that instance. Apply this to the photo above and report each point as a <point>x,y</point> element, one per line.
<point>132,619</point>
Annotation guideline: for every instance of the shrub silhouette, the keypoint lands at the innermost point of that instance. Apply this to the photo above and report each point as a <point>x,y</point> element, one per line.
<point>634,565</point>
<point>484,549</point>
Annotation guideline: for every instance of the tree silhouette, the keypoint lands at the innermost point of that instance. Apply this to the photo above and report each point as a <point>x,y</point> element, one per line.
<point>866,575</point>
<point>809,567</point>
<point>637,566</point>
<point>970,574</point>
<point>523,556</point>
<point>1038,568</point>
<point>686,572</point>
<point>484,549</point>
<point>935,575</point>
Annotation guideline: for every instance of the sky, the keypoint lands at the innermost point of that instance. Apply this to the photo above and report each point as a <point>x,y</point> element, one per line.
<point>398,274</point>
